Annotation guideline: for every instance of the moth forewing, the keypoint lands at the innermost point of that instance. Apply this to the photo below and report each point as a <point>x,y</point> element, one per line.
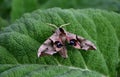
<point>47,46</point>
<point>44,47</point>
<point>86,44</point>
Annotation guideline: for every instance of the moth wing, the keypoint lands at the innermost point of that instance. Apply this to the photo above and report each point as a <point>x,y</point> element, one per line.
<point>48,52</point>
<point>80,42</point>
<point>47,47</point>
<point>86,44</point>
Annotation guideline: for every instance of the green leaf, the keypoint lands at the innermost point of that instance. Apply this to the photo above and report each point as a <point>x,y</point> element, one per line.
<point>19,7</point>
<point>22,39</point>
<point>115,23</point>
<point>34,70</point>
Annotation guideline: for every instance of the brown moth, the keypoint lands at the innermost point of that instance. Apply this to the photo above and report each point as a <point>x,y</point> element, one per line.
<point>56,42</point>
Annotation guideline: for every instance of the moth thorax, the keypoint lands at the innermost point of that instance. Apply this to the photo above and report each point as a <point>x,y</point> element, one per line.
<point>63,38</point>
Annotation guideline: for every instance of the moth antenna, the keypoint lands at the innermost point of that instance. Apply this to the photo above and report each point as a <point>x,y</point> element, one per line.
<point>64,25</point>
<point>52,25</point>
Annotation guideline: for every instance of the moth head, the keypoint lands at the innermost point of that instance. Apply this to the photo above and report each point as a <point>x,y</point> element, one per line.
<point>60,31</point>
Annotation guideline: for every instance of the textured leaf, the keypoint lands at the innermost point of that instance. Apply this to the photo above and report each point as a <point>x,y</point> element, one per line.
<point>21,40</point>
<point>116,26</point>
<point>34,70</point>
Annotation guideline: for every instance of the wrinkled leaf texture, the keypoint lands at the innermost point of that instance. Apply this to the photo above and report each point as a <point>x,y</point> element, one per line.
<point>20,41</point>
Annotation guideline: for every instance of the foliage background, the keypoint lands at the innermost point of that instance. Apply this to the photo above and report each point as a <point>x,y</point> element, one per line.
<point>20,34</point>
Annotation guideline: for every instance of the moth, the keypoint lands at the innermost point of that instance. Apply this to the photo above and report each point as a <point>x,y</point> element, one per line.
<point>56,42</point>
